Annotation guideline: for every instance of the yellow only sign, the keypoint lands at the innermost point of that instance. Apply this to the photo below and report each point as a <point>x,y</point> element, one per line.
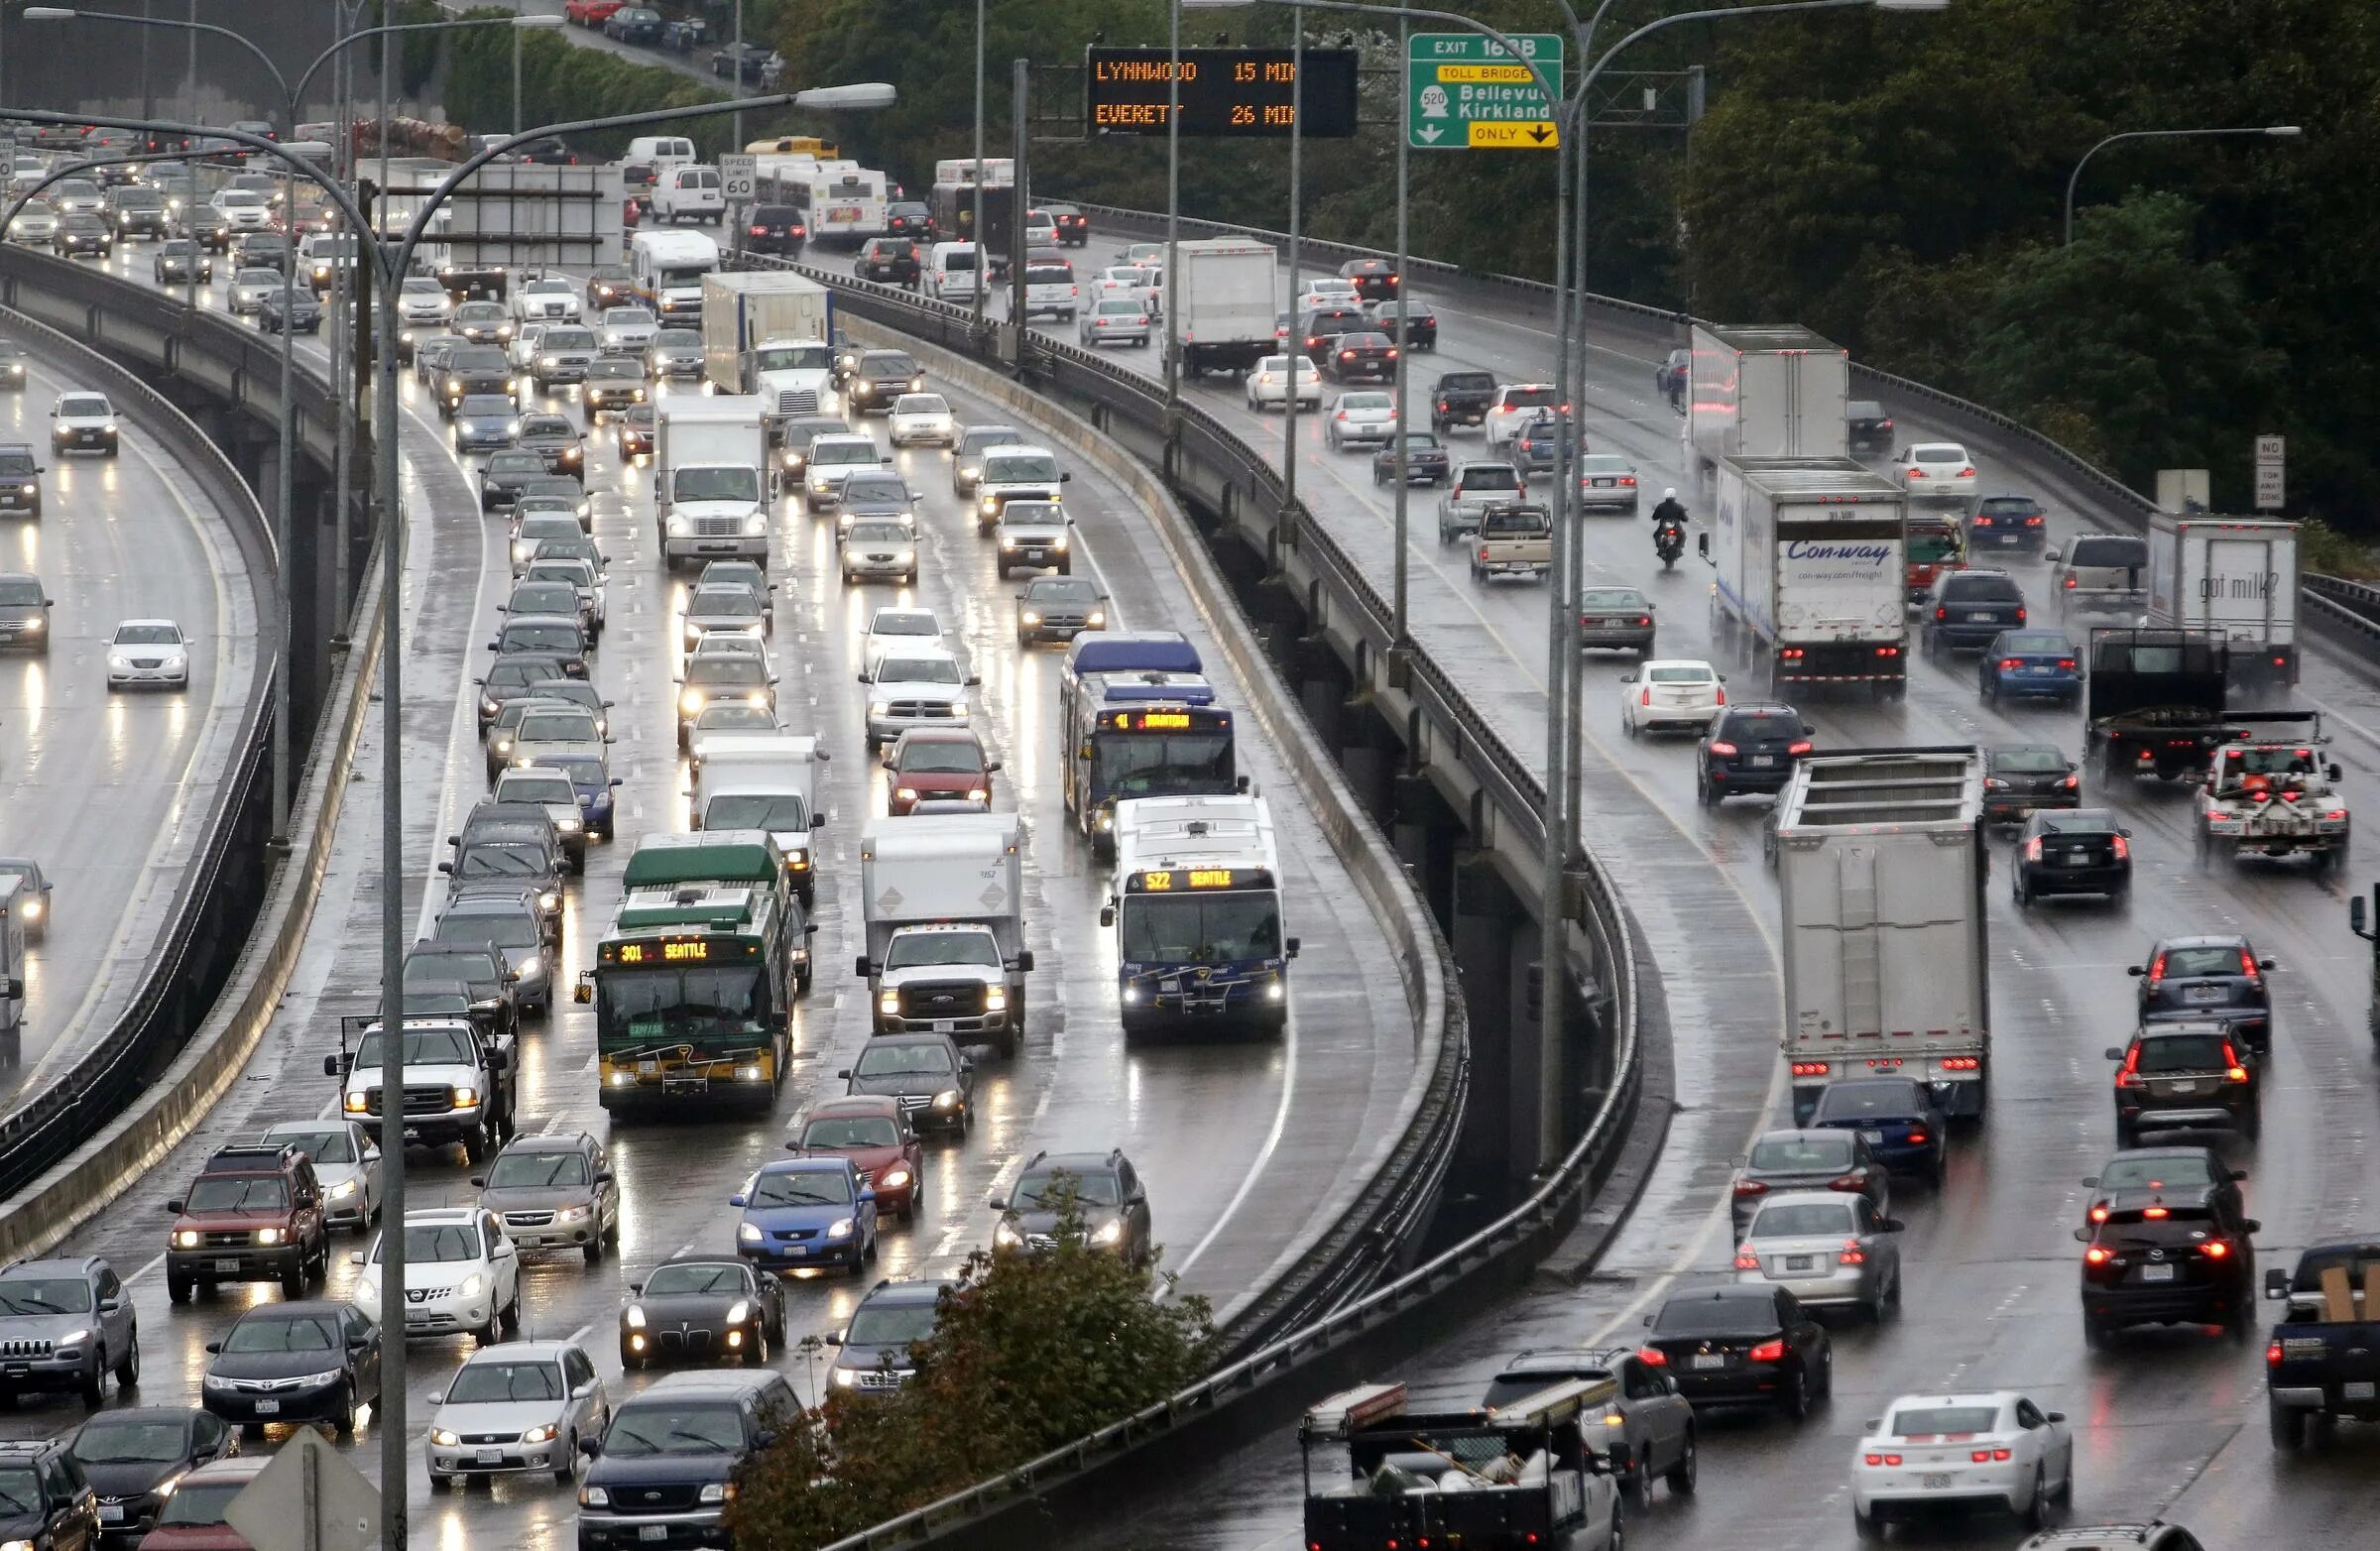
<point>1517,73</point>
<point>1517,135</point>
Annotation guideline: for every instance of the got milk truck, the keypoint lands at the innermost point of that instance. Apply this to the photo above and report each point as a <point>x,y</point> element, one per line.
<point>1811,554</point>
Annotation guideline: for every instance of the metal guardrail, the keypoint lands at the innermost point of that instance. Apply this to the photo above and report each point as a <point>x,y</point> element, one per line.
<point>1549,1208</point>
<point>205,929</point>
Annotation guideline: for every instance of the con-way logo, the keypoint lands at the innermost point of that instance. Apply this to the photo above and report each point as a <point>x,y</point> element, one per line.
<point>1819,549</point>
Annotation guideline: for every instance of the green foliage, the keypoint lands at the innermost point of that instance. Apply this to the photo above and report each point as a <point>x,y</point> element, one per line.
<point>1030,1352</point>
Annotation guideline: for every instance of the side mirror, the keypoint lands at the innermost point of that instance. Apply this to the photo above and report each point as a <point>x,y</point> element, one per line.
<point>866,1195</point>
<point>604,1176</point>
<point>2239,1176</point>
<point>2082,1235</point>
<point>2276,1283</point>
<point>2051,555</point>
<point>991,765</point>
<point>1065,478</point>
<point>590,1447</point>
<point>2267,964</point>
<point>1627,678</point>
<point>1289,948</point>
<point>1024,962</point>
<point>844,1073</point>
<point>862,676</point>
<point>2252,1225</point>
<point>1107,915</point>
<point>864,966</point>
<point>973,681</point>
<point>996,1203</point>
<point>817,821</point>
<point>966,1063</point>
<point>173,1207</point>
<point>735,1200</point>
<point>479,1181</point>
<point>2135,969</point>
<point>213,1347</point>
<point>2334,772</point>
<point>2091,1181</point>
<point>1892,1224</point>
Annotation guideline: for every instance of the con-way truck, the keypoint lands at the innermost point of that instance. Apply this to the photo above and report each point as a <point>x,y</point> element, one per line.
<point>1221,304</point>
<point>1880,870</point>
<point>1762,391</point>
<point>942,896</point>
<point>708,486</point>
<point>770,333</point>
<point>2236,577</point>
<point>1810,553</point>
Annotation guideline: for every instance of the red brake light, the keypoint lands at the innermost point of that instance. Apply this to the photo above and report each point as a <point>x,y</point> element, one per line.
<point>2157,970</point>
<point>1851,1253</point>
<point>1942,614</point>
<point>2272,1354</point>
<point>1967,473</point>
<point>1810,1068</point>
<point>1850,1182</point>
<point>2247,965</point>
<point>1644,697</point>
<point>1880,1459</point>
<point>2123,848</point>
<point>2065,663</point>
<point>1722,748</point>
<point>1767,1352</point>
<point>1750,1187</point>
<point>2069,580</point>
<point>2099,1214</point>
<point>1803,747</point>
<point>1723,697</point>
<point>2096,1256</point>
<point>2216,1249</point>
<point>2032,849</point>
<point>2007,662</point>
<point>1627,480</point>
<point>2020,614</point>
<point>2031,521</point>
<point>760,231</point>
<point>1918,1136</point>
<point>2154,1213</point>
<point>2129,1076</point>
<point>1917,473</point>
<point>1747,1261</point>
<point>1652,1357</point>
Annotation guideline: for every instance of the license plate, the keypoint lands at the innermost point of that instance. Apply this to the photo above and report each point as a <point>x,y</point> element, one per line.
<point>488,1457</point>
<point>227,1265</point>
<point>1709,1359</point>
<point>945,1025</point>
<point>268,1408</point>
<point>2156,1273</point>
<point>652,1532</point>
<point>111,1514</point>
<point>2205,993</point>
<point>2182,1087</point>
<point>1938,1480</point>
<point>1603,484</point>
<point>1801,1262</point>
<point>1979,617</point>
<point>792,1248</point>
<point>647,1068</point>
<point>2356,1389</point>
<point>2078,859</point>
<point>1762,761</point>
<point>2037,668</point>
<point>1871,1137</point>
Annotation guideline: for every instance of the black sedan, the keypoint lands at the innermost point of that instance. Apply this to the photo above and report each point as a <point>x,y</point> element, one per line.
<point>1749,750</point>
<point>179,259</point>
<point>701,1308</point>
<point>313,1361</point>
<point>2024,778</point>
<point>744,66</point>
<point>132,1458</point>
<point>774,230</point>
<point>83,234</point>
<point>2007,522</point>
<point>637,23</point>
<point>1426,462</point>
<point>891,261</point>
<point>302,314</point>
<point>908,218</point>
<point>1359,356</point>
<point>2210,977</point>
<point>934,1083</point>
<point>208,227</point>
<point>1615,619</point>
<point>1742,1345</point>
<point>2082,851</point>
<point>556,439</point>
<point>1059,608</point>
<point>1074,227</point>
<point>1421,321</point>
<point>502,475</point>
<point>1376,279</point>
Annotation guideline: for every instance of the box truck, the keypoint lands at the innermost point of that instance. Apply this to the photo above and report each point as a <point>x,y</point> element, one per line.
<point>942,896</point>
<point>2234,576</point>
<point>709,483</point>
<point>1763,391</point>
<point>1880,873</point>
<point>1812,566</point>
<point>1222,304</point>
<point>770,333</point>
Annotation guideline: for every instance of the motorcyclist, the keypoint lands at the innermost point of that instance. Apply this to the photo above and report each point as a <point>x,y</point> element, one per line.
<point>1670,509</point>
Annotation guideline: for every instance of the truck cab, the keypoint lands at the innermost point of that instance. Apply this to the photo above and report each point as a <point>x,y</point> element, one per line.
<point>459,1083</point>
<point>943,898</point>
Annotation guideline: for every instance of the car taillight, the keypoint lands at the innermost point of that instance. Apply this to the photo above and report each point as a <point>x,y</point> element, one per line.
<point>2020,614</point>
<point>1723,698</point>
<point>2123,848</point>
<point>1967,473</point>
<point>1790,654</point>
<point>2009,663</point>
<point>1885,1460</point>
<point>2155,1214</point>
<point>2272,1354</point>
<point>1851,1254</point>
<point>2129,1075</point>
<point>1647,619</point>
<point>2069,580</point>
<point>2031,521</point>
<point>2099,1214</point>
<point>1917,473</point>
<point>1652,1357</point>
<point>760,231</point>
<point>1942,614</point>
<point>1750,1187</point>
<point>1482,552</point>
<point>1747,1261</point>
<point>1917,1137</point>
<point>2216,1249</point>
<point>2156,971</point>
<point>1810,1068</point>
<point>2247,966</point>
<point>2032,849</point>
<point>1722,748</point>
<point>1767,1352</point>
<point>2096,1256</point>
<point>2072,782</point>
<point>1342,414</point>
<point>1644,697</point>
<point>1990,1456</point>
<point>2232,1070</point>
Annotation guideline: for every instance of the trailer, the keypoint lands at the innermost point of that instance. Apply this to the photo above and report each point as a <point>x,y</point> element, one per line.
<point>1762,391</point>
<point>1811,554</point>
<point>2234,576</point>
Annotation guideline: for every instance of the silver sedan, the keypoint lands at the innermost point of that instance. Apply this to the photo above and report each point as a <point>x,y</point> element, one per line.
<point>1826,1249</point>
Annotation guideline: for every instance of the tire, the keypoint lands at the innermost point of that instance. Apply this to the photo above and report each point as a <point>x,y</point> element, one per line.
<point>2097,1334</point>
<point>1705,792</point>
<point>440,1482</point>
<point>567,1471</point>
<point>1683,1476</point>
<point>512,1312</point>
<point>292,1281</point>
<point>94,1387</point>
<point>1796,1405</point>
<point>2036,1511</point>
<point>2286,1426</point>
<point>1867,1526</point>
<point>492,1331</point>
<point>128,1368</point>
<point>343,1423</point>
<point>181,1289</point>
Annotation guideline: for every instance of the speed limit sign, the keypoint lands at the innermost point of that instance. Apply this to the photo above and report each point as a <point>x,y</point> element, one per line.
<point>737,175</point>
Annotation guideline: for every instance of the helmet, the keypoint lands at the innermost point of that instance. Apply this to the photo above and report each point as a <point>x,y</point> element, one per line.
<point>1670,494</point>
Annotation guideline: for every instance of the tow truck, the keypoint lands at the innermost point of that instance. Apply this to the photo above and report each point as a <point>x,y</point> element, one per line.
<point>1509,1478</point>
<point>2275,797</point>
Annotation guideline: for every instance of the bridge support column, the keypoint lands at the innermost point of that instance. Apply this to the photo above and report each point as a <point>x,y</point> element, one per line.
<point>1370,755</point>
<point>1493,945</point>
<point>1425,832</point>
<point>1321,686</point>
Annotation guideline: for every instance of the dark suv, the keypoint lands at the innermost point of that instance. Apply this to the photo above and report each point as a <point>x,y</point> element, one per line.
<point>2215,979</point>
<point>881,376</point>
<point>668,1459</point>
<point>2168,1256</point>
<point>1749,748</point>
<point>891,259</point>
<point>873,1350</point>
<point>253,1214</point>
<point>23,612</point>
<point>20,479</point>
<point>45,1501</point>
<point>1970,608</point>
<point>1102,1188</point>
<point>1870,426</point>
<point>1319,329</point>
<point>773,228</point>
<point>2185,1077</point>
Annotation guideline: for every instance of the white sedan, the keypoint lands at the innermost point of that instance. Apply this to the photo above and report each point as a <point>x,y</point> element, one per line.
<point>1328,290</point>
<point>1671,692</point>
<point>922,417</point>
<point>148,651</point>
<point>462,1275</point>
<point>541,1397</point>
<point>1933,1454</point>
<point>1937,470</point>
<point>1362,418</point>
<point>1268,383</point>
<point>422,300</point>
<point>549,300</point>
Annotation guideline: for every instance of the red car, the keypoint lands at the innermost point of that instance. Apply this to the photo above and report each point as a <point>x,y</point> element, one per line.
<point>874,1132</point>
<point>192,1520</point>
<point>938,762</point>
<point>590,13</point>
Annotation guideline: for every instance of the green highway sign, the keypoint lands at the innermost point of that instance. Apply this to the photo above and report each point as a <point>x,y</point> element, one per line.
<point>1464,92</point>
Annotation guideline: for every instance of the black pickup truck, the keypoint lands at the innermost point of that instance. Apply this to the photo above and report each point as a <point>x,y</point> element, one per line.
<point>1461,398</point>
<point>2153,702</point>
<point>2323,1358</point>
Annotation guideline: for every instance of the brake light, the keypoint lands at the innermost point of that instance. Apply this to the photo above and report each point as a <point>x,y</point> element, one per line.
<point>2272,1354</point>
<point>2065,663</point>
<point>1627,480</point>
<point>760,231</point>
<point>1917,473</point>
<point>2069,580</point>
<point>1850,1182</point>
<point>1888,651</point>
<point>1342,414</point>
<point>2032,849</point>
<point>1750,1187</point>
<point>1967,473</point>
<point>1886,1460</point>
<point>1851,1253</point>
<point>1988,1456</point>
<point>2247,965</point>
<point>1810,1068</point>
<point>2156,971</point>
<point>2009,662</point>
<point>1644,697</point>
<point>1482,552</point>
<point>1767,1352</point>
<point>1942,614</point>
<point>1789,654</point>
<point>1801,746</point>
<point>2232,1070</point>
<point>2129,1075</point>
<point>2031,521</point>
<point>1918,1136</point>
<point>1652,1357</point>
<point>1722,748</point>
<point>1747,1261</point>
<point>1961,1063</point>
<point>1391,355</point>
<point>2154,1213</point>
<point>2020,614</point>
<point>2099,1214</point>
<point>1346,355</point>
<point>2216,1249</point>
<point>1723,698</point>
<point>2094,1255</point>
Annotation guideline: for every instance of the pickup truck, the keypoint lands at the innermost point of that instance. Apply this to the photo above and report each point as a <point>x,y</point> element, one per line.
<point>2273,797</point>
<point>1514,540</point>
<point>2153,701</point>
<point>460,1085</point>
<point>2323,1356</point>
<point>1461,398</point>
<point>1476,486</point>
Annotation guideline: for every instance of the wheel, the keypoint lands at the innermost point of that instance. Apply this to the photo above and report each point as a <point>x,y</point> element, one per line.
<point>94,1387</point>
<point>475,1145</point>
<point>2287,1425</point>
<point>566,1473</point>
<point>1705,792</point>
<point>2097,1334</point>
<point>439,1482</point>
<point>1796,1403</point>
<point>292,1281</point>
<point>181,1289</point>
<point>343,1420</point>
<point>2022,889</point>
<point>493,1331</point>
<point>2126,1135</point>
<point>2036,1511</point>
<point>512,1312</point>
<point>1867,1526</point>
<point>1682,1476</point>
<point>128,1368</point>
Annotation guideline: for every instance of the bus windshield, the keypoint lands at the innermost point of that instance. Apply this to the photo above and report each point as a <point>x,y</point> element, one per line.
<point>1212,928</point>
<point>1160,765</point>
<point>638,1010</point>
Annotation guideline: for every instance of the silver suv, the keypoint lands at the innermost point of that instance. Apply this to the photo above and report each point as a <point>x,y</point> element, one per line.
<point>63,1325</point>
<point>2101,571</point>
<point>554,1192</point>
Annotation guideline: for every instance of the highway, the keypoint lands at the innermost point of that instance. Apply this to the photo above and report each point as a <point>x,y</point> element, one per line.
<point>109,793</point>
<point>2169,1421</point>
<point>1247,1147</point>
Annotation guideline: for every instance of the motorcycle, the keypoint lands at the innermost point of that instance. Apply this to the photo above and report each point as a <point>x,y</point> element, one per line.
<point>1669,541</point>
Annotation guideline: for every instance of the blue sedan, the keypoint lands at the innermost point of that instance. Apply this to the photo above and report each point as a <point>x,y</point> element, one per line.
<point>2032,665</point>
<point>805,1212</point>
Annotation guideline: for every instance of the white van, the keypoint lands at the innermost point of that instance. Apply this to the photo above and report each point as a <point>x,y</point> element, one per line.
<point>950,272</point>
<point>665,271</point>
<point>688,193</point>
<point>662,151</point>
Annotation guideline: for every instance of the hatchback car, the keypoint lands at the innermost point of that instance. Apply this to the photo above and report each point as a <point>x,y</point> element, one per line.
<point>875,1134</point>
<point>503,473</point>
<point>799,1213</point>
<point>148,653</point>
<point>1102,1191</point>
<point>485,422</point>
<point>1895,1115</point>
<point>2084,851</point>
<point>772,228</point>
<point>555,1191</point>
<point>1671,692</point>
<point>2027,777</point>
<point>1750,750</point>
<point>1807,1160</point>
<point>1968,610</point>
<point>2185,1077</point>
<point>512,1408</point>
<point>638,425</point>
<point>1828,1249</point>
<point>2209,978</point>
<point>2008,523</point>
<point>1615,619</point>
<point>2031,665</point>
<point>2174,1256</point>
<point>1741,1346</point>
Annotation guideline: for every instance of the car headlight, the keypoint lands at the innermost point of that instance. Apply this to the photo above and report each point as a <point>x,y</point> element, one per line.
<point>691,702</point>
<point>958,709</point>
<point>268,1235</point>
<point>888,1003</point>
<point>750,1233</point>
<point>880,708</point>
<point>1007,540</point>
<point>356,1103</point>
<point>1097,619</point>
<point>568,826</point>
<point>847,1377</point>
<point>1059,542</point>
<point>550,362</point>
<point>575,1213</point>
<point>636,1316</point>
<point>840,1228</point>
<point>990,503</point>
<point>109,429</point>
<point>212,1382</point>
<point>185,1238</point>
<point>995,999</point>
<point>718,1491</point>
<point>549,901</point>
<point>978,795</point>
<point>594,1498</point>
<point>1030,618</point>
<point>543,1433</point>
<point>678,525</point>
<point>445,1439</point>
<point>905,556</point>
<point>947,1099</point>
<point>530,965</point>
<point>465,1095</point>
<point>739,1311</point>
<point>340,1191</point>
<point>755,525</point>
<point>1004,1233</point>
<point>471,1286</point>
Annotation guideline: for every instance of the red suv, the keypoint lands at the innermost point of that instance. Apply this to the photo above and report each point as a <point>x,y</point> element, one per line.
<point>927,763</point>
<point>253,1214</point>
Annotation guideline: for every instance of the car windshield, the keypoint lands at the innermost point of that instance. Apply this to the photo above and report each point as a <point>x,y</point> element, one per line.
<point>883,490</point>
<point>1940,453</point>
<point>743,810</point>
<point>538,1170</point>
<point>201,1503</point>
<point>83,406</point>
<point>549,426</point>
<point>1115,308</point>
<point>423,286</point>
<point>327,1145</point>
<point>1365,400</point>
<point>1044,1190</point>
<point>2220,960</point>
<point>737,601</point>
<point>2038,642</point>
<point>1014,468</point>
<point>558,727</point>
<point>237,1193</point>
<point>1935,1421</point>
<point>1612,598</point>
<point>1804,1219</point>
<point>541,636</point>
<point>735,718</point>
<point>2028,762</point>
<point>553,789</point>
<point>23,591</point>
<point>1679,675</point>
<point>1062,590</point>
<point>800,1187</point>
<point>696,1279</point>
<point>283,1333</point>
<point>882,1059</point>
<point>1763,725</point>
<point>877,1323</point>
<point>920,404</point>
<point>889,363</point>
<point>44,1295</point>
<point>486,407</point>
<point>1847,1100</point>
<point>721,669</point>
<point>434,1242</point>
<point>567,339</point>
<point>1802,1155</point>
<point>496,1381</point>
<point>641,1431</point>
<point>979,438</point>
<point>2182,1053</point>
<point>500,861</point>
<point>940,757</point>
<point>423,1047</point>
<point>917,671</point>
<point>726,483</point>
<point>103,1441</point>
<point>2008,506</point>
<point>888,623</point>
<point>257,277</point>
<point>925,949</point>
<point>1705,1316</point>
<point>852,1131</point>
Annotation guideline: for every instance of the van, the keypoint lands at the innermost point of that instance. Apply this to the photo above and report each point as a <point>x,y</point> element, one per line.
<point>950,272</point>
<point>682,193</point>
<point>662,150</point>
<point>665,271</point>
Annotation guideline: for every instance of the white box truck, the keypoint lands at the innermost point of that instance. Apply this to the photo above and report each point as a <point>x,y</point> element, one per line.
<point>1810,557</point>
<point>769,783</point>
<point>770,333</point>
<point>1222,304</point>
<point>667,270</point>
<point>709,482</point>
<point>2235,576</point>
<point>1763,391</point>
<point>1880,874</point>
<point>942,896</point>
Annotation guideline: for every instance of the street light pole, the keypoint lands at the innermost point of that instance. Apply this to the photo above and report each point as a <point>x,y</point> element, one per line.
<point>2272,131</point>
<point>1173,220</point>
<point>1297,352</point>
<point>983,252</point>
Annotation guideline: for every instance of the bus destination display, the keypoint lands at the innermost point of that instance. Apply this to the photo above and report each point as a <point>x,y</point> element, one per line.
<point>1230,93</point>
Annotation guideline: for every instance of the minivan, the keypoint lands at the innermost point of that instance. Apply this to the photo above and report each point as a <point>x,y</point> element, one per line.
<point>683,194</point>
<point>662,151</point>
